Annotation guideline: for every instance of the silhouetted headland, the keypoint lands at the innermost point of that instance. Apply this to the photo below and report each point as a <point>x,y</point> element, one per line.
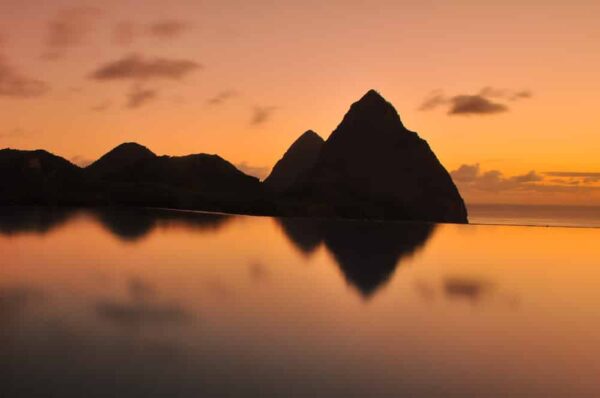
<point>371,167</point>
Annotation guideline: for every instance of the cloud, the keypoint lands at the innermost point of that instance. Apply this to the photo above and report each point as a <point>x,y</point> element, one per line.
<point>256,171</point>
<point>572,174</point>
<point>466,172</point>
<point>471,176</point>
<point>168,28</point>
<point>474,104</point>
<point>434,99</point>
<point>137,67</point>
<point>222,97</point>
<point>68,29</point>
<point>262,114</point>
<point>491,92</point>
<point>483,103</point>
<point>139,96</point>
<point>576,176</point>
<point>14,83</point>
<point>470,289</point>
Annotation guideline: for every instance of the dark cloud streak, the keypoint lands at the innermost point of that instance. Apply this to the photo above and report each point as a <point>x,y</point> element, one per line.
<point>474,104</point>
<point>483,103</point>
<point>137,67</point>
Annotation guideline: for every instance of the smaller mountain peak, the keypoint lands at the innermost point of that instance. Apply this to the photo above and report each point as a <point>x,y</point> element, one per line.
<point>120,157</point>
<point>297,160</point>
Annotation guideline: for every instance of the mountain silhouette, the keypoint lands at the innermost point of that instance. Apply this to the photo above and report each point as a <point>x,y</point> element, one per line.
<point>373,167</point>
<point>32,177</point>
<point>119,159</point>
<point>367,252</point>
<point>131,174</point>
<point>297,161</point>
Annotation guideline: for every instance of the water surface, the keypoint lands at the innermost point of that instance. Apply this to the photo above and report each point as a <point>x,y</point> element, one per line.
<point>165,303</point>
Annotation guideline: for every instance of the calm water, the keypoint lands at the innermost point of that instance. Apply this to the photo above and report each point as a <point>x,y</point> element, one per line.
<point>159,303</point>
<point>557,216</point>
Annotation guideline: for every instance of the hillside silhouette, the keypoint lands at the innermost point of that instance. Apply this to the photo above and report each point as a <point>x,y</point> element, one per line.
<point>371,167</point>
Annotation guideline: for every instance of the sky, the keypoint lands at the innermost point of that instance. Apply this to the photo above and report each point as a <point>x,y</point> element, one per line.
<point>505,93</point>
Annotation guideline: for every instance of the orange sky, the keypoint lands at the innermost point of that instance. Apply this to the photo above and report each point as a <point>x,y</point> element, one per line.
<point>280,68</point>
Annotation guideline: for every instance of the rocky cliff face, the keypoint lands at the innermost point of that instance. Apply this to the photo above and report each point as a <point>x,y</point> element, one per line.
<point>373,167</point>
<point>297,161</point>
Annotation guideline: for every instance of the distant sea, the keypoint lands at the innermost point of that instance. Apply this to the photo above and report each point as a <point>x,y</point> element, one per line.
<point>535,215</point>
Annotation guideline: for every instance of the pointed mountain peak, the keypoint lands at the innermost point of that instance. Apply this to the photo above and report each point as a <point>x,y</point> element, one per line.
<point>374,103</point>
<point>370,117</point>
<point>372,95</point>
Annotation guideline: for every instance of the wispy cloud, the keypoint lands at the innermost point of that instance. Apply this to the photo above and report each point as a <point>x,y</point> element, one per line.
<point>137,67</point>
<point>576,177</point>
<point>69,28</point>
<point>262,114</point>
<point>474,104</point>
<point>139,96</point>
<point>486,102</point>
<point>222,97</point>
<point>14,83</point>
<point>470,177</point>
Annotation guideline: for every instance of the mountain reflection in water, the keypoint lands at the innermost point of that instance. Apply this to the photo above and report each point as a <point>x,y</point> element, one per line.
<point>152,303</point>
<point>366,252</point>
